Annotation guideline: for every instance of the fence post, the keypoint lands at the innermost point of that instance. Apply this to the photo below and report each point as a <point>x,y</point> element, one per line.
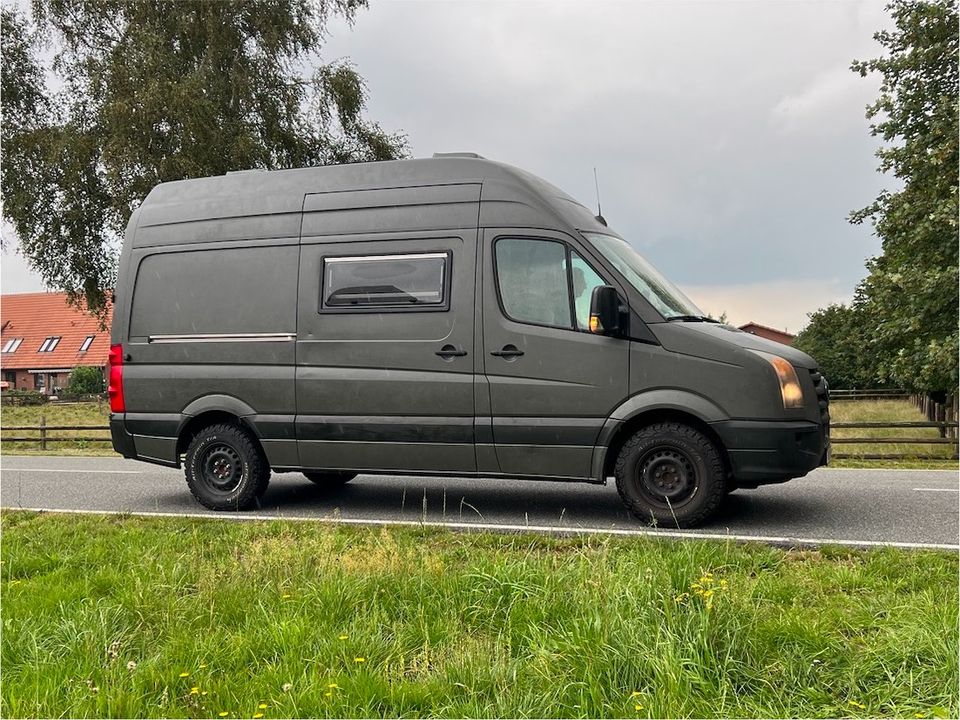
<point>43,432</point>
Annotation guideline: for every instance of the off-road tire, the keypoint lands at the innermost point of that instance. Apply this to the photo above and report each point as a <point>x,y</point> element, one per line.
<point>698,475</point>
<point>225,468</point>
<point>329,478</point>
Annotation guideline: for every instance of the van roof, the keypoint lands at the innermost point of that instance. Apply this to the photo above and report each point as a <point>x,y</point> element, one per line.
<point>253,193</point>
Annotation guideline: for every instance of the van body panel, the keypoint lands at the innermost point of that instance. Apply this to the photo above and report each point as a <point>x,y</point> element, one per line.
<point>557,395</point>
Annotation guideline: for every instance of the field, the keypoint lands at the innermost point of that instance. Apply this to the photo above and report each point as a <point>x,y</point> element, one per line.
<point>57,414</point>
<point>134,617</point>
<point>886,411</point>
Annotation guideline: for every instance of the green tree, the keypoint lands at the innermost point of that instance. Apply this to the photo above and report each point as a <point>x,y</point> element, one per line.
<point>155,91</point>
<point>836,337</point>
<point>85,381</point>
<point>909,298</point>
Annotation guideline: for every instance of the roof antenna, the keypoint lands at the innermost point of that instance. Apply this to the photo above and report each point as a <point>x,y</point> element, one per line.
<point>596,184</point>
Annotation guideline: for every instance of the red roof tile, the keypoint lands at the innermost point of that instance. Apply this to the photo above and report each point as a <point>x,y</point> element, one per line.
<point>37,316</point>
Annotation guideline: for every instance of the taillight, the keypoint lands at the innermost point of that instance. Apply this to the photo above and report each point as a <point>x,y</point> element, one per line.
<point>115,385</point>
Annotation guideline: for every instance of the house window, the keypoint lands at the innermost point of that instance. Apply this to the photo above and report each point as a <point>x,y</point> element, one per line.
<point>39,381</point>
<point>50,344</point>
<point>385,281</point>
<point>11,345</point>
<point>87,343</point>
<point>11,377</point>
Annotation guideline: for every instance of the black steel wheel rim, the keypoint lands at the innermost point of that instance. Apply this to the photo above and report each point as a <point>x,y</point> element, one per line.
<point>667,477</point>
<point>221,468</point>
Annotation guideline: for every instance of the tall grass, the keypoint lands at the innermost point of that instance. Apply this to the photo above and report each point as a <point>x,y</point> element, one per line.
<point>197,618</point>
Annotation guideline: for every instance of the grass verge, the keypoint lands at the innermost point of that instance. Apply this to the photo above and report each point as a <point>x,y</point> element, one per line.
<point>124,616</point>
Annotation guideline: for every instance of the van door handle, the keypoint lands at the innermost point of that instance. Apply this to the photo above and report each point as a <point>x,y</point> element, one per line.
<point>508,351</point>
<point>449,351</point>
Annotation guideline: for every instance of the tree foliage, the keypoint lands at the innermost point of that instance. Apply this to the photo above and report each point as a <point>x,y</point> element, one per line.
<point>85,380</point>
<point>837,337</point>
<point>909,299</point>
<point>153,91</point>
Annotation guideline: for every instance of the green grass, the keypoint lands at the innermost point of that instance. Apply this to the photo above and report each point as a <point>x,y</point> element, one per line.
<point>886,411</point>
<point>102,616</point>
<point>56,414</point>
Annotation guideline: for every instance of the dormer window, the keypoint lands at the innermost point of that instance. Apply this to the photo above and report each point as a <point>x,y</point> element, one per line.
<point>87,343</point>
<point>50,344</point>
<point>11,345</point>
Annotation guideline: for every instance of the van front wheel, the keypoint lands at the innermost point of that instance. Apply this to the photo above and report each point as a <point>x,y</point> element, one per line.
<point>225,468</point>
<point>329,479</point>
<point>670,475</point>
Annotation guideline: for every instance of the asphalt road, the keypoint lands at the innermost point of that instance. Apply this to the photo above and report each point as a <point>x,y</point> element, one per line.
<point>859,507</point>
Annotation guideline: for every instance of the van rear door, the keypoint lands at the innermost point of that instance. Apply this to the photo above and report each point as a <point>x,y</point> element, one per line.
<point>385,333</point>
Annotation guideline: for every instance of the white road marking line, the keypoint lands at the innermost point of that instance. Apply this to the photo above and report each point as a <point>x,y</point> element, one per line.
<point>71,470</point>
<point>937,489</point>
<point>676,534</point>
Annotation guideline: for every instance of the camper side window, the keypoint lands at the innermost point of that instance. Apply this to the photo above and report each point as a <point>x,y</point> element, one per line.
<point>386,282</point>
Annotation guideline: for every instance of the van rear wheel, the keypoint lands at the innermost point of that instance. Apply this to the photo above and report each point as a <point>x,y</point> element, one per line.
<point>225,468</point>
<point>670,475</point>
<point>329,479</point>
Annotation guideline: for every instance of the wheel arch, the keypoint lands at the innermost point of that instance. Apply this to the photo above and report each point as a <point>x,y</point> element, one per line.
<point>659,406</point>
<point>212,409</point>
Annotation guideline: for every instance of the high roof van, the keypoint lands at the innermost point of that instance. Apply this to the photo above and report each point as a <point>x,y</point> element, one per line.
<point>444,316</point>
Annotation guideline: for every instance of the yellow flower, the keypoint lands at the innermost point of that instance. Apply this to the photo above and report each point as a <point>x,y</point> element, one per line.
<point>284,596</point>
<point>257,715</point>
<point>638,706</point>
<point>342,637</point>
<point>328,694</point>
<point>333,686</point>
<point>636,693</point>
<point>262,706</point>
<point>359,659</point>
<point>202,665</point>
<point>194,691</point>
<point>855,704</point>
<point>223,714</point>
<point>184,674</point>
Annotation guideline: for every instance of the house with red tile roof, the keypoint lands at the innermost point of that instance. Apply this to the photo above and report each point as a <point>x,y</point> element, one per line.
<point>769,333</point>
<point>43,338</point>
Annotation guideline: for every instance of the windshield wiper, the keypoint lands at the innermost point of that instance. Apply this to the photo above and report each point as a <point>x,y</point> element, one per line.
<point>692,318</point>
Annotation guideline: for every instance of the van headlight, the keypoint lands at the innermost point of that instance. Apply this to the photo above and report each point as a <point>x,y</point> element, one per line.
<point>789,385</point>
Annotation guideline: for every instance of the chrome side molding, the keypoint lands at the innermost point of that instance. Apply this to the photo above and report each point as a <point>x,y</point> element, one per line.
<point>223,337</point>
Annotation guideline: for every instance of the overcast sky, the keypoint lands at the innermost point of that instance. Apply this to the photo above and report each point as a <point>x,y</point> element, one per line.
<point>729,137</point>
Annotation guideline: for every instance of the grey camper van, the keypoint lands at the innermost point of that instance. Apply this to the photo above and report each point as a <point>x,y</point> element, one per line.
<point>444,316</point>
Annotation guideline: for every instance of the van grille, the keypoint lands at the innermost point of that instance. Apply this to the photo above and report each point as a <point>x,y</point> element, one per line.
<point>822,387</point>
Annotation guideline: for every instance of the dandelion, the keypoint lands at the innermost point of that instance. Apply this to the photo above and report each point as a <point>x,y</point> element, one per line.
<point>342,637</point>
<point>223,714</point>
<point>257,715</point>
<point>638,706</point>
<point>184,674</point>
<point>262,706</point>
<point>287,687</point>
<point>194,691</point>
<point>359,659</point>
<point>636,693</point>
<point>854,703</point>
<point>131,666</point>
<point>328,694</point>
<point>285,596</point>
<point>333,686</point>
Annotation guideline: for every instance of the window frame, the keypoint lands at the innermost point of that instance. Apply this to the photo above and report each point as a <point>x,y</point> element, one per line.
<point>50,343</point>
<point>87,342</point>
<point>446,290</point>
<point>11,346</point>
<point>571,301</point>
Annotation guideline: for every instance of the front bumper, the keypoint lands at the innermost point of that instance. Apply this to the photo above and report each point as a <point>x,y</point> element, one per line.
<point>763,452</point>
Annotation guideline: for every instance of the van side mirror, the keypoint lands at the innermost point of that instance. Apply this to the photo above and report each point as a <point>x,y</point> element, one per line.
<point>605,310</point>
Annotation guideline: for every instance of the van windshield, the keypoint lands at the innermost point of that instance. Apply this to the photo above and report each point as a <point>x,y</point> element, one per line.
<point>660,292</point>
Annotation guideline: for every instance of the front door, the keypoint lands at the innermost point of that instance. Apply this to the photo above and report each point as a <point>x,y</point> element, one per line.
<point>385,353</point>
<point>552,383</point>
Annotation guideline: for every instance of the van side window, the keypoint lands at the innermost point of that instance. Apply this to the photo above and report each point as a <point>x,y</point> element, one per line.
<point>385,281</point>
<point>585,279</point>
<point>532,279</point>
